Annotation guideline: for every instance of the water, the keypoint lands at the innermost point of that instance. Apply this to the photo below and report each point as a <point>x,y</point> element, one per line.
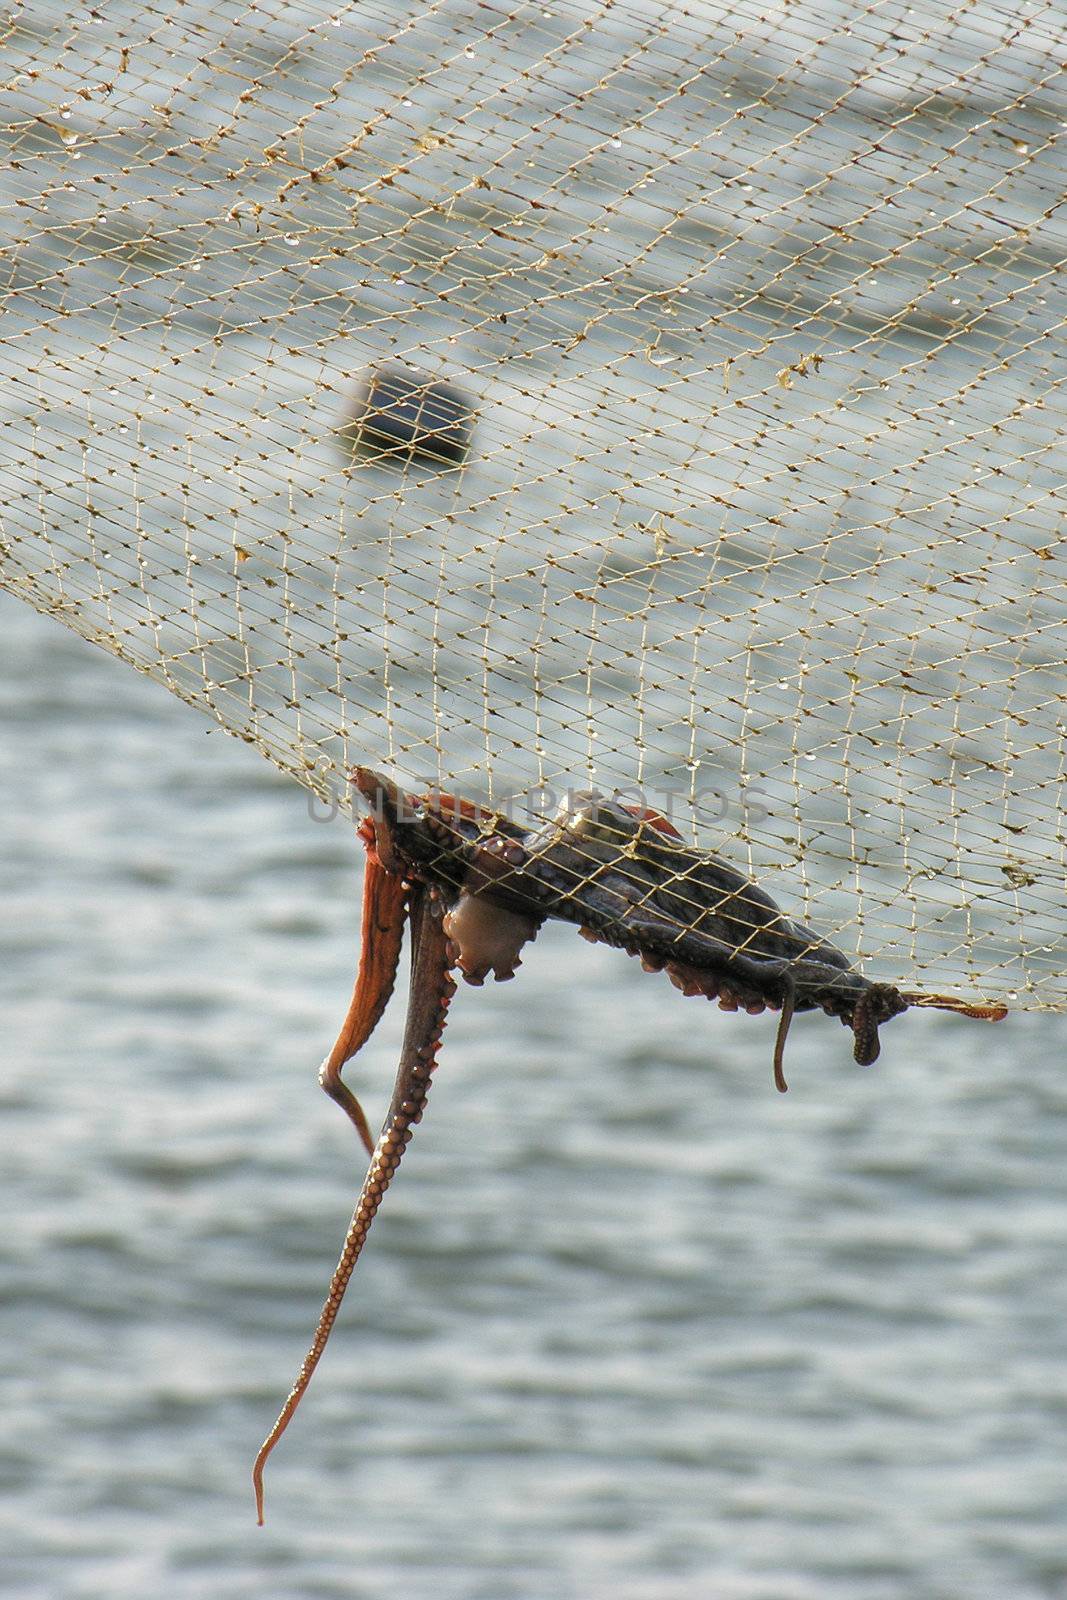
<point>643,1330</point>
<point>630,1324</point>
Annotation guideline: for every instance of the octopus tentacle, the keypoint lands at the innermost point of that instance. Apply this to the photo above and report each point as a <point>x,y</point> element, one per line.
<point>384,909</point>
<point>992,1012</point>
<point>876,1005</point>
<point>696,950</point>
<point>789,1001</point>
<point>432,988</point>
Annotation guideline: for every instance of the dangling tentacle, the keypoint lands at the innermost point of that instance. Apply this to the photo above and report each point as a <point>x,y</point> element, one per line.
<point>432,988</point>
<point>384,908</point>
<point>789,1001</point>
<point>877,1004</point>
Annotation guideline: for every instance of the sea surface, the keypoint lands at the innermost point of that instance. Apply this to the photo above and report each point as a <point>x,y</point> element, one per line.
<point>630,1326</point>
<point>768,361</point>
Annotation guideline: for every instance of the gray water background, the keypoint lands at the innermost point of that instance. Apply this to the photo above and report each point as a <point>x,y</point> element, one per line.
<point>630,1324</point>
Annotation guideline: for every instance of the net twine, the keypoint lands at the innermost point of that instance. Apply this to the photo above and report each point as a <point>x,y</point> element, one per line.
<point>756,313</point>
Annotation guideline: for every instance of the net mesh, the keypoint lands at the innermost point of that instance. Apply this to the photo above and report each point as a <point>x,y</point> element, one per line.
<point>747,319</point>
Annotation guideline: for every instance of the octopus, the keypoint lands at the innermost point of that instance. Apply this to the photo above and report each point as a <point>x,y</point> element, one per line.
<point>474,888</point>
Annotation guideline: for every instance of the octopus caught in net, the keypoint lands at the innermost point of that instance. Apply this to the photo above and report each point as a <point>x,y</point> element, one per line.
<point>475,887</point>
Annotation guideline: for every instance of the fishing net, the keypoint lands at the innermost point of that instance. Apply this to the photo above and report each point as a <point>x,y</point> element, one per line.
<point>586,393</point>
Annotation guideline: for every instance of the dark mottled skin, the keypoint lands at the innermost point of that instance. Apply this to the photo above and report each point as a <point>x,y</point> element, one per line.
<point>635,886</point>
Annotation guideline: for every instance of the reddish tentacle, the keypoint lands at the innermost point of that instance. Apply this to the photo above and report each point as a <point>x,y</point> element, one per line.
<point>384,910</point>
<point>431,990</point>
<point>994,1012</point>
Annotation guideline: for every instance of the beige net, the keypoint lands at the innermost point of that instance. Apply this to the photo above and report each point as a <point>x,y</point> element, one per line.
<point>749,319</point>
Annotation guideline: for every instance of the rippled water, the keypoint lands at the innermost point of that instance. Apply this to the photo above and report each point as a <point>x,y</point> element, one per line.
<point>643,1330</point>
<point>630,1324</point>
